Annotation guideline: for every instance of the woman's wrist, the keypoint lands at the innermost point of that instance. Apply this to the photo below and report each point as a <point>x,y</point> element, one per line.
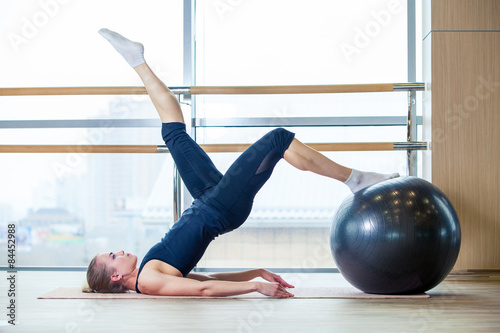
<point>256,286</point>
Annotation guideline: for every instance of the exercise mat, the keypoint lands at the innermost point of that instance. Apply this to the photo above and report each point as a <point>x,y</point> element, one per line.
<point>312,293</point>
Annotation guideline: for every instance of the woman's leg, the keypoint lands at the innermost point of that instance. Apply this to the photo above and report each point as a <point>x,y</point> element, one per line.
<point>305,158</point>
<point>245,177</point>
<point>163,99</point>
<point>195,167</point>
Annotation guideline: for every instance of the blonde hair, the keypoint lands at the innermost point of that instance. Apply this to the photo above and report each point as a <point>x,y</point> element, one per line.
<point>98,279</point>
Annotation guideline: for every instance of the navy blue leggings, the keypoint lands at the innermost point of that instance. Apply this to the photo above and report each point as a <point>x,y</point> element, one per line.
<point>231,194</point>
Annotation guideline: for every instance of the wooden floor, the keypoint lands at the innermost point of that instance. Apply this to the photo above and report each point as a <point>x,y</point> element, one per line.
<point>467,303</point>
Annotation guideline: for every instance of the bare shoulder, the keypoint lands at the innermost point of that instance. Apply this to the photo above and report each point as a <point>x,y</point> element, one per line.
<point>157,279</point>
<point>154,282</point>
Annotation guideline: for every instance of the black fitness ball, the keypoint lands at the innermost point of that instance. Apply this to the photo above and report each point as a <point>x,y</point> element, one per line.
<point>400,236</point>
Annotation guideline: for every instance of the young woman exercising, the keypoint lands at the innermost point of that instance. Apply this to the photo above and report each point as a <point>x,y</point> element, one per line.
<point>222,203</point>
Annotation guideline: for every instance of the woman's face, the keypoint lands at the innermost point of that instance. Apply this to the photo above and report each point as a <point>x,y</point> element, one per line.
<point>121,262</point>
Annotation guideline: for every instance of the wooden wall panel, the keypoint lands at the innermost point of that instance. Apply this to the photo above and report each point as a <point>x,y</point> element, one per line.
<point>465,14</point>
<point>466,138</point>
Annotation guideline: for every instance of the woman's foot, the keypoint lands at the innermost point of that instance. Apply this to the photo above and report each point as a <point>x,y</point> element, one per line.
<point>360,180</point>
<point>132,52</point>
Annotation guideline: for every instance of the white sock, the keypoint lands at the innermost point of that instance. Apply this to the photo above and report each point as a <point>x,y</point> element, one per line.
<point>132,52</point>
<point>358,180</point>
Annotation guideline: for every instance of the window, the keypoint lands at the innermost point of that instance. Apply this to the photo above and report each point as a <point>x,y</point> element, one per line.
<point>68,207</point>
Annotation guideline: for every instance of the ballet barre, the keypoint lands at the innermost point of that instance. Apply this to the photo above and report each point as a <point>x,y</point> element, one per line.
<point>209,148</point>
<point>218,90</point>
<point>409,146</point>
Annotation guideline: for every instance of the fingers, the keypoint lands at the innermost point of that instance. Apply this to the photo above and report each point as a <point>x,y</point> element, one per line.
<point>271,277</point>
<point>274,289</point>
<point>282,292</point>
<point>284,283</point>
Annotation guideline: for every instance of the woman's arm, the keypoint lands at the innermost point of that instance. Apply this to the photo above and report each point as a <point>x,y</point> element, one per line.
<point>156,283</point>
<point>237,276</point>
<point>242,276</point>
<point>227,276</point>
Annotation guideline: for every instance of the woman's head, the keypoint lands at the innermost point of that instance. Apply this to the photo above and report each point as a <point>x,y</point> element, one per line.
<point>107,272</point>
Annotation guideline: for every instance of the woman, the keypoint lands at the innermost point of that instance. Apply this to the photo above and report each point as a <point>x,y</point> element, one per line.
<point>222,203</point>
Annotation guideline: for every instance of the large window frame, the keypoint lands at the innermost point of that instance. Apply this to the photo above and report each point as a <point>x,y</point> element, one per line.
<point>189,71</point>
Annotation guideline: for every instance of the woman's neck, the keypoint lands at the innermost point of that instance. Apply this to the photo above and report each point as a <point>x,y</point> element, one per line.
<point>129,280</point>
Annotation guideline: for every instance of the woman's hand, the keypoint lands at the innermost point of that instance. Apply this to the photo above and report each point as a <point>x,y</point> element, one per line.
<point>273,289</point>
<point>271,277</point>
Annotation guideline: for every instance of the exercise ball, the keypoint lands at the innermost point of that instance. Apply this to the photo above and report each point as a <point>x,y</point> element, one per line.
<point>399,236</point>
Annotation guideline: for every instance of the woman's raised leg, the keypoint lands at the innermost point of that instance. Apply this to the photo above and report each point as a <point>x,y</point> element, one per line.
<point>305,158</point>
<point>195,167</point>
<point>163,99</point>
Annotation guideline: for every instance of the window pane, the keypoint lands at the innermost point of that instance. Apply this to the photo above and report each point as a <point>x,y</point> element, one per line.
<point>297,42</point>
<point>305,134</point>
<point>75,107</point>
<point>291,216</point>
<point>55,43</point>
<point>287,42</point>
<point>69,207</point>
<point>310,105</point>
